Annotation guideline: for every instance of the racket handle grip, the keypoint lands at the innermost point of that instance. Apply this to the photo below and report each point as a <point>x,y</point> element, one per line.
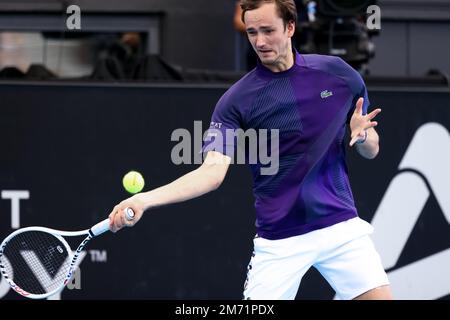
<point>103,226</point>
<point>100,227</point>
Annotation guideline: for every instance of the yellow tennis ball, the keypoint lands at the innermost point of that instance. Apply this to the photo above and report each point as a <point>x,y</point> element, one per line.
<point>133,182</point>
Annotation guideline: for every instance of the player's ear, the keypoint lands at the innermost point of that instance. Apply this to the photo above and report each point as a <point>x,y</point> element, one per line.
<point>290,27</point>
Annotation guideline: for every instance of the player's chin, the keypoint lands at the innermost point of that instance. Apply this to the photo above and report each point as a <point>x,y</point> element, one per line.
<point>267,60</point>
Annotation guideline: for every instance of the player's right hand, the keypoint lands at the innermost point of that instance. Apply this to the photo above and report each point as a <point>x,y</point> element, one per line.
<point>117,217</point>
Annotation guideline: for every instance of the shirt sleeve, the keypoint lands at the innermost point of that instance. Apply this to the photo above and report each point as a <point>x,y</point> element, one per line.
<point>362,94</point>
<point>359,90</point>
<point>222,133</point>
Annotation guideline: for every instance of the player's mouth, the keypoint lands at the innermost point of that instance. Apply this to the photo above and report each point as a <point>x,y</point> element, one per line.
<point>265,54</point>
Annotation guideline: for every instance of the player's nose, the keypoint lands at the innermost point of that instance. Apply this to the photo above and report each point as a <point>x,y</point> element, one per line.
<point>260,41</point>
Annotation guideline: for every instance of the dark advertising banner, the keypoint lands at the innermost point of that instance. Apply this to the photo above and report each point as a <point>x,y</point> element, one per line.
<point>66,148</point>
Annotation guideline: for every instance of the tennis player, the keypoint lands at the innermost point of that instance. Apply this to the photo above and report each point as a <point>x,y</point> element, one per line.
<point>306,216</point>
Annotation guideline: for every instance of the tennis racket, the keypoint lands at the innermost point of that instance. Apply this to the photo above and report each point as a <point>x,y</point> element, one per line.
<point>38,262</point>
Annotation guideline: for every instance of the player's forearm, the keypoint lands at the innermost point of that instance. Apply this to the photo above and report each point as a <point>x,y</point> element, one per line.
<point>189,186</point>
<point>370,148</point>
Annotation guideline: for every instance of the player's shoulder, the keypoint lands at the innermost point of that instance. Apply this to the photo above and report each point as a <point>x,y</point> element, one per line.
<point>320,59</point>
<point>240,88</point>
<point>330,64</point>
<point>246,81</point>
<point>334,66</point>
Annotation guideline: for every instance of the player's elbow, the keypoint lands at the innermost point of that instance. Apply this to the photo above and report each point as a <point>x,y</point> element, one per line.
<point>214,169</point>
<point>216,180</point>
<point>211,176</point>
<point>215,184</point>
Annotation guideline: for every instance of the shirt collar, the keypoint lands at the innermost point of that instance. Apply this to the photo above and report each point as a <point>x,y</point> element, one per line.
<point>264,71</point>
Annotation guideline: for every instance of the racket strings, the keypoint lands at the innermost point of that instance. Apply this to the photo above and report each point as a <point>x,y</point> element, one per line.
<point>36,261</point>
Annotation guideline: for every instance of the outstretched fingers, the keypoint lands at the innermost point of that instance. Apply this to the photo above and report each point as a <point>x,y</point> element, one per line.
<point>354,140</point>
<point>359,105</point>
<point>370,124</point>
<point>373,114</point>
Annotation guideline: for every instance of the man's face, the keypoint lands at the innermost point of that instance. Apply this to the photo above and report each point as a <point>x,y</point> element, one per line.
<point>268,35</point>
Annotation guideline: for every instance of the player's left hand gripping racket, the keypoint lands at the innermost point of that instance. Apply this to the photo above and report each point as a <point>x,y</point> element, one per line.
<point>37,262</point>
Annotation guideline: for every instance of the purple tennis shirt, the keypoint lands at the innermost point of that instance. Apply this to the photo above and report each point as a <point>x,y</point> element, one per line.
<point>311,105</point>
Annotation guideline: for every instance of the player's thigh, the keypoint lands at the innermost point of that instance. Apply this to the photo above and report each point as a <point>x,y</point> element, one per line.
<point>276,269</point>
<point>378,293</point>
<point>353,268</point>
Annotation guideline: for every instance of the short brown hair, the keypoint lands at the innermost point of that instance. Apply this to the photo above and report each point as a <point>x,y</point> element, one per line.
<point>286,8</point>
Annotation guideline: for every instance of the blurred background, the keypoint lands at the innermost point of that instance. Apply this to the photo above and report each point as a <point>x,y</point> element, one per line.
<point>199,37</point>
<point>81,107</point>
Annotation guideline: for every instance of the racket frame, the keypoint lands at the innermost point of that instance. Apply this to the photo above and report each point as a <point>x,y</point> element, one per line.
<point>72,256</point>
<point>94,231</point>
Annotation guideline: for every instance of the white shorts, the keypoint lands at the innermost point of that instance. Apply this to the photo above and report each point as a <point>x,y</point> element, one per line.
<point>343,253</point>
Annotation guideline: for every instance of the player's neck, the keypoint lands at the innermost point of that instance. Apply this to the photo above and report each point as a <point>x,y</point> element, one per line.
<point>283,64</point>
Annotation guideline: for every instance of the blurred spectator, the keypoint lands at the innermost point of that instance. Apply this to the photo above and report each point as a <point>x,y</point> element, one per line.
<point>36,51</point>
<point>13,52</point>
<point>251,56</point>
